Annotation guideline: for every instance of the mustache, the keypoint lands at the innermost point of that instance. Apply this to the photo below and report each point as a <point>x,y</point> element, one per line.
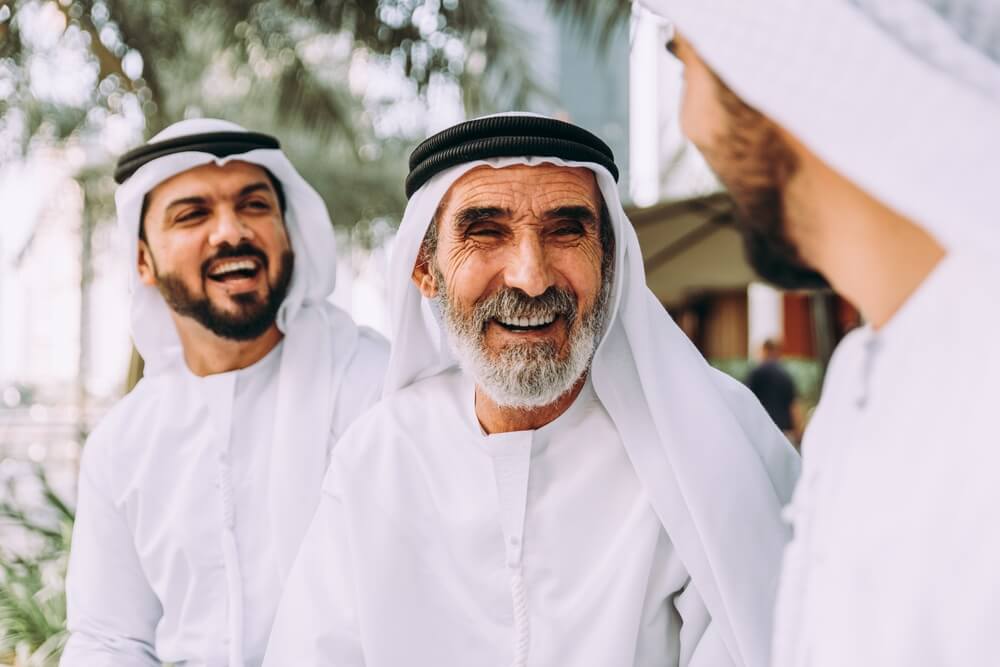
<point>510,302</point>
<point>243,249</point>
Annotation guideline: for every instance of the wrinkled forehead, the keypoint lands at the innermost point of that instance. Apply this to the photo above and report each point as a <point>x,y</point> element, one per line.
<point>522,188</point>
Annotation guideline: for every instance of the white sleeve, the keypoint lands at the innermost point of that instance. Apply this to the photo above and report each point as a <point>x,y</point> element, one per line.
<point>316,623</point>
<point>111,610</point>
<point>700,642</point>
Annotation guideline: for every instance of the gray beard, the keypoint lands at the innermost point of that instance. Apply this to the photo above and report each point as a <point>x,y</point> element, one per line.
<point>530,375</point>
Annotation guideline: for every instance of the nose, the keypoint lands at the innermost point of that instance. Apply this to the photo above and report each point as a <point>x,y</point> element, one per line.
<point>229,228</point>
<point>528,266</point>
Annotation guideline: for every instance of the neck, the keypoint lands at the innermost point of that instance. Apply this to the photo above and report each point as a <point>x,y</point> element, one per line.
<point>873,256</point>
<point>501,419</point>
<point>208,354</point>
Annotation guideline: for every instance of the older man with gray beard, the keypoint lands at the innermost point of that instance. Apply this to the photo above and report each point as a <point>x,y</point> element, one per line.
<point>555,476</point>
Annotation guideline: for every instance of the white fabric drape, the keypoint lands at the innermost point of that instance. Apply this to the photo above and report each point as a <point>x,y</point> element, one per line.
<point>893,561</point>
<point>305,318</point>
<point>436,544</point>
<point>323,352</point>
<point>886,92</point>
<point>716,469</point>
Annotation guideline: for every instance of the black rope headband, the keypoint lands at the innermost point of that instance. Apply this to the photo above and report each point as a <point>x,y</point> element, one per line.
<point>219,144</point>
<point>505,136</point>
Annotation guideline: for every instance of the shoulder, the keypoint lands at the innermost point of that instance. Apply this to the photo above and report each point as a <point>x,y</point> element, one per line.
<point>737,395</point>
<point>399,420</point>
<point>845,358</point>
<point>359,379</point>
<point>779,457</point>
<point>132,410</point>
<point>123,424</point>
<point>371,354</point>
<point>361,350</point>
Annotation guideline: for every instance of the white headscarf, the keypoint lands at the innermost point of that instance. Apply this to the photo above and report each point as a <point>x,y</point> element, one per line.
<point>902,97</point>
<point>306,319</point>
<point>714,466</point>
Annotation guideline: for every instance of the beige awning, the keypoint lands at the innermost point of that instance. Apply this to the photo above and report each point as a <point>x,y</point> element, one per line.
<point>691,246</point>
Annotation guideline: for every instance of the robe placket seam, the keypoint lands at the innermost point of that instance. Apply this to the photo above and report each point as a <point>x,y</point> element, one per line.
<point>224,395</point>
<point>511,473</point>
<point>830,490</point>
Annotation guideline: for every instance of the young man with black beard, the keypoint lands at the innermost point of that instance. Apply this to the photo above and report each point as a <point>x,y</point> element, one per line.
<point>196,488</point>
<point>861,141</point>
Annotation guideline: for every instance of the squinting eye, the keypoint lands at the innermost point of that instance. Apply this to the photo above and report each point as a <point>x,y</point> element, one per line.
<point>573,230</point>
<point>484,232</point>
<point>192,215</point>
<point>261,205</point>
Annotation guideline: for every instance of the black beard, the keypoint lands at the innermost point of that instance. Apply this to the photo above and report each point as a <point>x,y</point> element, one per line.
<point>755,164</point>
<point>254,315</point>
<point>761,222</point>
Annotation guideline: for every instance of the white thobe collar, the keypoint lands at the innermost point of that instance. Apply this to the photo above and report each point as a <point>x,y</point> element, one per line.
<point>895,340</point>
<point>496,443</point>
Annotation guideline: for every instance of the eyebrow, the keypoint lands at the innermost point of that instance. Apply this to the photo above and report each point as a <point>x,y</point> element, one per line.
<point>578,213</point>
<point>473,214</point>
<point>183,201</point>
<point>254,187</point>
<point>199,200</point>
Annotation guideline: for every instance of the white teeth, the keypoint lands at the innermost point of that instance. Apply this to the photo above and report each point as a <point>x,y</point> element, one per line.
<point>522,322</point>
<point>236,265</point>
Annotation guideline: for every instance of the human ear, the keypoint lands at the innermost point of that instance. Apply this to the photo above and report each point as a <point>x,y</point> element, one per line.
<point>146,265</point>
<point>423,277</point>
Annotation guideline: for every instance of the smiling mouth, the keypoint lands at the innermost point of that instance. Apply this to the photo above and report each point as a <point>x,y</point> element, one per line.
<point>526,324</point>
<point>234,269</point>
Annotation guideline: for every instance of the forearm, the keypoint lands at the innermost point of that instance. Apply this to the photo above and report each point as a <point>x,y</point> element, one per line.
<point>91,649</point>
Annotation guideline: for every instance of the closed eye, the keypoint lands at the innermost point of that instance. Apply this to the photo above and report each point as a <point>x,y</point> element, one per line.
<point>192,215</point>
<point>257,205</point>
<point>483,231</point>
<point>571,229</point>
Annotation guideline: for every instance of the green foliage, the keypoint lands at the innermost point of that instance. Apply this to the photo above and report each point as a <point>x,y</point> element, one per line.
<point>32,595</point>
<point>278,66</point>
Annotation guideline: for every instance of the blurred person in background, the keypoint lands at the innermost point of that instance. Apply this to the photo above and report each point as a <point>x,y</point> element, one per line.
<point>556,476</point>
<point>861,142</point>
<point>775,388</point>
<point>196,488</point>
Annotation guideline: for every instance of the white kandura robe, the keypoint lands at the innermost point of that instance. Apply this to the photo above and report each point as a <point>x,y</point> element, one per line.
<point>896,555</point>
<point>436,545</point>
<point>172,548</point>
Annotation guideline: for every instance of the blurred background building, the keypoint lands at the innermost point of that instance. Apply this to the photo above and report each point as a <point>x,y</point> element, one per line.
<point>349,88</point>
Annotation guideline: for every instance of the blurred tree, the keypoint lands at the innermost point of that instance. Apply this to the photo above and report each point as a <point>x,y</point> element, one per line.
<point>282,66</point>
<point>300,69</point>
